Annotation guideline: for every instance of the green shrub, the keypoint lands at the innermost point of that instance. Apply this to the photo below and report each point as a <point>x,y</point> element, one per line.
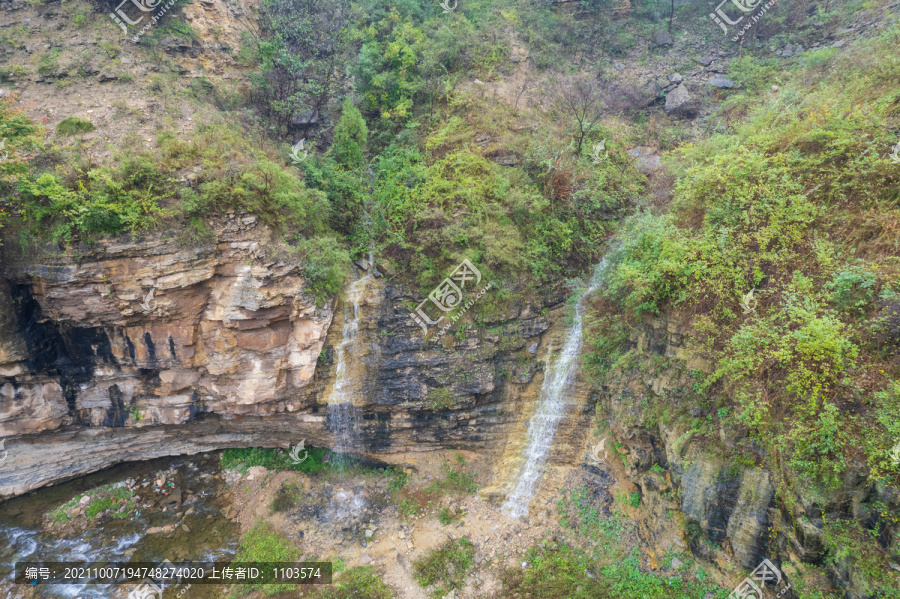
<point>446,567</point>
<point>440,398</point>
<point>350,135</point>
<point>852,288</point>
<point>361,582</point>
<point>453,481</point>
<point>326,263</point>
<point>100,205</point>
<point>73,126</point>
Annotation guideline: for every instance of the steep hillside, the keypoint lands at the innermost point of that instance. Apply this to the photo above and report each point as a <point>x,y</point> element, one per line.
<point>371,225</point>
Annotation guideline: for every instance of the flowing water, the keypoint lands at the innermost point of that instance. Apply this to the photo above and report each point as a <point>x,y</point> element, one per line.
<point>559,381</point>
<point>343,412</point>
<point>211,536</point>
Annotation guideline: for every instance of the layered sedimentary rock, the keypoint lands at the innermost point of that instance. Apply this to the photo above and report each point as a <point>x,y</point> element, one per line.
<point>141,348</point>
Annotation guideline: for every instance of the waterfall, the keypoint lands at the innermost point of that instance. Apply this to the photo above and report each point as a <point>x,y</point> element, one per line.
<point>343,414</point>
<point>559,380</point>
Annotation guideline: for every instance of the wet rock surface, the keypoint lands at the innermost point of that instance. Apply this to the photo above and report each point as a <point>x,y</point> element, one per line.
<point>146,348</point>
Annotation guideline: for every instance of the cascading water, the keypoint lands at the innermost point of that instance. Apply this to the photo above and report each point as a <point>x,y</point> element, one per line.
<point>558,384</point>
<point>343,414</point>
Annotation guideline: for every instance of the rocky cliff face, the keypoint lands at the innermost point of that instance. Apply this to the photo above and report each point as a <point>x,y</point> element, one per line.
<point>134,336</point>
<point>140,349</point>
<point>694,493</point>
<point>146,348</point>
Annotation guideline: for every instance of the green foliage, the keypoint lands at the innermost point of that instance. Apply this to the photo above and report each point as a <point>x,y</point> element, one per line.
<point>275,459</point>
<point>74,125</point>
<point>445,517</point>
<point>326,263</point>
<point>387,70</point>
<point>852,288</point>
<point>408,508</point>
<point>793,204</point>
<point>564,572</point>
<point>104,202</point>
<point>355,583</point>
<point>440,398</point>
<point>454,481</point>
<point>49,63</point>
<point>262,543</point>
<point>301,53</point>
<point>445,567</point>
<point>881,443</point>
<point>350,135</point>
<point>103,498</point>
<point>851,545</point>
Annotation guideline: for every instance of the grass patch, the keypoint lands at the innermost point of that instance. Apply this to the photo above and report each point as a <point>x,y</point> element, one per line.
<point>455,480</point>
<point>564,572</point>
<point>446,567</point>
<point>446,516</point>
<point>103,498</point>
<point>262,543</point>
<point>362,582</point>
<point>275,459</point>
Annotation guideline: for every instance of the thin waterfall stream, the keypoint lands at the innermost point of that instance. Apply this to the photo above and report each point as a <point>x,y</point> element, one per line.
<point>559,382</point>
<point>342,412</point>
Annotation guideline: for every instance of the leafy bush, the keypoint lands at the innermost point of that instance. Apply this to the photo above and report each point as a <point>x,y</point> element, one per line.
<point>100,205</point>
<point>852,288</point>
<point>445,567</point>
<point>74,125</point>
<point>326,263</point>
<point>440,398</point>
<point>350,136</point>
<point>355,583</point>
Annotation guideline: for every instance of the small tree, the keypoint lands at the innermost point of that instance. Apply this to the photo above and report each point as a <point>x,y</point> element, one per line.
<point>583,98</point>
<point>350,135</point>
<point>588,99</point>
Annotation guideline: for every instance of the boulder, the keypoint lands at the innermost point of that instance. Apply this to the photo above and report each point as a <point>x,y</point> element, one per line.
<point>646,160</point>
<point>676,78</point>
<point>680,102</point>
<point>661,38</point>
